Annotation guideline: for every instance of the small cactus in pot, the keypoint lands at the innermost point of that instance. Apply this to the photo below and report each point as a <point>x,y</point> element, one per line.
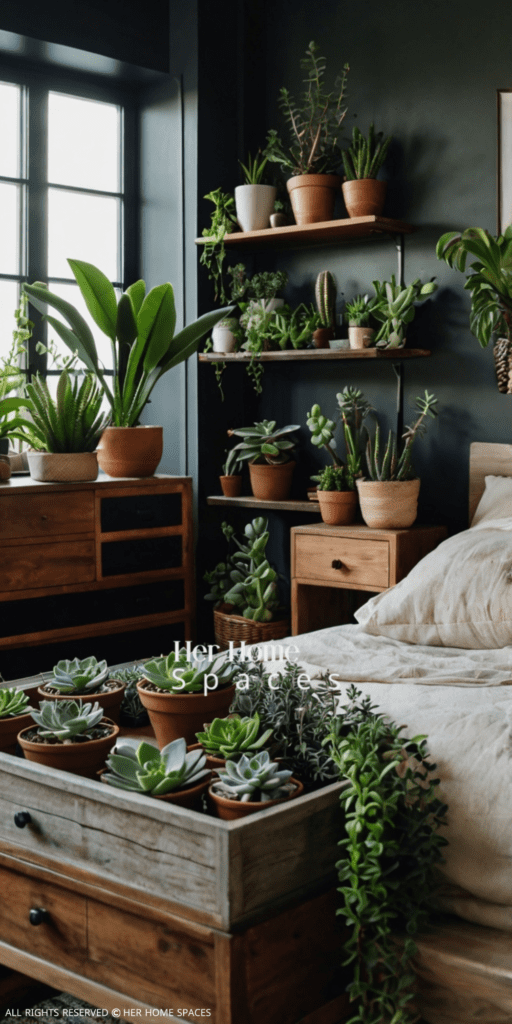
<point>325,295</point>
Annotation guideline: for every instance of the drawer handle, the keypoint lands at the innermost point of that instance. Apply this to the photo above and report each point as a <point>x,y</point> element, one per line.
<point>22,818</point>
<point>38,916</point>
<point>337,564</point>
<point>44,519</point>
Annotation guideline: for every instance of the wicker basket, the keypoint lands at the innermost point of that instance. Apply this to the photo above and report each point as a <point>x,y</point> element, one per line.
<point>235,628</point>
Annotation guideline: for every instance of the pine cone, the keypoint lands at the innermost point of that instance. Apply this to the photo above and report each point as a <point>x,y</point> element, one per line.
<point>503,364</point>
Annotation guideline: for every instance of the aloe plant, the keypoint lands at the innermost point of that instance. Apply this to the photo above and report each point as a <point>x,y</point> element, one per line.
<point>141,768</point>
<point>394,307</point>
<point>64,719</point>
<point>364,158</point>
<point>177,674</point>
<point>141,330</point>
<point>264,442</point>
<point>357,312</point>
<point>390,463</point>
<point>79,676</point>
<point>71,422</point>
<point>255,779</point>
<point>228,737</point>
<point>13,702</point>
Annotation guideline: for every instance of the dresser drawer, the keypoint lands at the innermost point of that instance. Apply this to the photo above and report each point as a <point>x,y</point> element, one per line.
<point>360,562</point>
<point>61,937</point>
<point>31,566</point>
<point>46,515</point>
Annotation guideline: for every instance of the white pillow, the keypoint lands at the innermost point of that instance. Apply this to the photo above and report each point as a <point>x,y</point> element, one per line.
<point>494,510</point>
<point>460,595</point>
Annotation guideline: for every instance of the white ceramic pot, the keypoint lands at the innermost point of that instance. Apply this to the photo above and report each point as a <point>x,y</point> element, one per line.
<point>360,337</point>
<point>254,204</point>
<point>57,467</point>
<point>223,339</point>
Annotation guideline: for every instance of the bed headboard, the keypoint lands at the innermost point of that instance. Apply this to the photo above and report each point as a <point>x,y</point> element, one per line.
<point>486,460</point>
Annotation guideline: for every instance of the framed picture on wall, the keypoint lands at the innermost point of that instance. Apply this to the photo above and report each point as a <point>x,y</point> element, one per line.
<point>504,192</point>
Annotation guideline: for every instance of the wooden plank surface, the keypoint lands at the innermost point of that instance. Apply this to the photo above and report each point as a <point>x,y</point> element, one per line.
<point>26,485</point>
<point>326,231</point>
<point>314,354</point>
<point>293,505</point>
<point>486,460</point>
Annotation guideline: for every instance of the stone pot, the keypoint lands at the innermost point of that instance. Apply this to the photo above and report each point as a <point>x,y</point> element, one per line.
<point>313,196</point>
<point>254,205</point>
<point>388,504</point>
<point>56,467</point>
<point>360,337</point>
<point>271,482</point>
<point>364,197</point>
<point>338,508</point>
<point>231,485</point>
<point>130,451</point>
<point>84,759</point>
<point>173,715</point>
<point>231,810</point>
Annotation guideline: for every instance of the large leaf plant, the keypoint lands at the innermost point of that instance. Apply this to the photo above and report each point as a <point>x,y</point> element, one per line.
<point>490,283</point>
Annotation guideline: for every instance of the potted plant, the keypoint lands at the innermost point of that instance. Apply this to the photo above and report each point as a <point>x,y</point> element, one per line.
<point>490,288</point>
<point>314,156</point>
<point>66,428</point>
<point>250,785</point>
<point>388,495</point>
<point>325,295</point>
<point>144,347</point>
<point>293,328</point>
<point>173,774</point>
<point>14,715</point>
<point>357,314</point>
<point>226,739</point>
<point>364,195</point>
<point>267,451</point>
<point>394,307</point>
<point>12,425</point>
<point>85,679</point>
<point>254,201</point>
<point>262,288</point>
<point>337,495</point>
<point>336,485</point>
<point>131,713</point>
<point>180,693</point>
<point>70,735</point>
<point>231,481</point>
<point>224,337</point>
<point>223,222</point>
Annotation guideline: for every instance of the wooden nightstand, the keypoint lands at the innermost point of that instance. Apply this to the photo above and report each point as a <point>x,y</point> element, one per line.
<point>328,561</point>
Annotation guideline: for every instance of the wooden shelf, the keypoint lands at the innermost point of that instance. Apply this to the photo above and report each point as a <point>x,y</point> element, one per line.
<point>326,232</point>
<point>315,353</point>
<point>275,506</point>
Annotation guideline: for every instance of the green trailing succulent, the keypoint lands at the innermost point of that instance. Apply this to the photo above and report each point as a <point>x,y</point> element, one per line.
<point>390,463</point>
<point>364,158</point>
<point>325,296</point>
<point>141,768</point>
<point>394,307</point>
<point>219,578</point>
<point>229,737</point>
<point>13,702</point>
<point>79,676</point>
<point>334,478</point>
<point>223,222</point>
<point>264,442</point>
<point>253,590</point>
<point>490,284</point>
<point>256,779</point>
<point>63,720</point>
<point>71,422</point>
<point>179,674</point>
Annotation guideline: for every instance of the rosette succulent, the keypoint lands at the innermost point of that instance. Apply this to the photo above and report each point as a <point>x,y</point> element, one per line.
<point>140,767</point>
<point>227,737</point>
<point>178,674</point>
<point>256,779</point>
<point>64,719</point>
<point>79,676</point>
<point>13,702</point>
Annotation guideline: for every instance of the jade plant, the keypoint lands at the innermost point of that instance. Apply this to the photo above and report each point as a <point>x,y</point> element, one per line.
<point>264,442</point>
<point>256,779</point>
<point>390,462</point>
<point>353,408</point>
<point>64,720</point>
<point>71,422</point>
<point>364,158</point>
<point>141,768</point>
<point>247,581</point>
<point>79,676</point>
<point>177,673</point>
<point>325,295</point>
<point>394,308</point>
<point>13,702</point>
<point>229,737</point>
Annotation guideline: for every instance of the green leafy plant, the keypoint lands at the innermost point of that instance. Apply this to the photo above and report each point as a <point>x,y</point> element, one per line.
<point>358,312</point>
<point>13,702</point>
<point>253,590</point>
<point>79,676</point>
<point>393,306</point>
<point>314,122</point>
<point>141,768</point>
<point>141,330</point>
<point>289,328</point>
<point>229,737</point>
<point>391,848</point>
<point>256,779</point>
<point>490,284</point>
<point>71,422</point>
<point>325,295</point>
<point>334,478</point>
<point>390,463</point>
<point>266,284</point>
<point>63,720</point>
<point>223,222</point>
<point>219,578</point>
<point>232,464</point>
<point>322,432</point>
<point>364,158</point>
<point>264,442</point>
<point>12,425</point>
<point>254,169</point>
<point>176,673</point>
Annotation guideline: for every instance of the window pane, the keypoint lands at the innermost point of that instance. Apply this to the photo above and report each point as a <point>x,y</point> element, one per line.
<point>8,303</point>
<point>10,130</point>
<point>72,293</point>
<point>83,143</point>
<point>9,228</point>
<point>82,227</point>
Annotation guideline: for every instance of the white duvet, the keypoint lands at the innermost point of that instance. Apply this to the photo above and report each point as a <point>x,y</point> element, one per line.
<point>462,700</point>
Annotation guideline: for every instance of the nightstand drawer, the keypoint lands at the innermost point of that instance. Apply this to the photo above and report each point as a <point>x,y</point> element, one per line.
<point>46,515</point>
<point>333,559</point>
<point>31,566</point>
<point>61,935</point>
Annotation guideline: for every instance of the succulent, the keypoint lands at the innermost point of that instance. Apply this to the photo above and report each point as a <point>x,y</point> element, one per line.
<point>231,464</point>
<point>365,157</point>
<point>254,590</point>
<point>131,704</point>
<point>79,676</point>
<point>394,307</point>
<point>264,442</point>
<point>391,464</point>
<point>267,284</point>
<point>228,737</point>
<point>140,767</point>
<point>71,422</point>
<point>334,478</point>
<point>13,702</point>
<point>357,312</point>
<point>325,295</point>
<point>322,430</point>
<point>177,674</point>
<point>64,719</point>
<point>252,779</point>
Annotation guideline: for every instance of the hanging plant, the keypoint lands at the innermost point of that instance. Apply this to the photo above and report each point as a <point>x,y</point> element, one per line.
<point>223,222</point>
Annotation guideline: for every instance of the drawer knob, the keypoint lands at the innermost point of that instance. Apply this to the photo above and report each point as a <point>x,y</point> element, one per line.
<point>37,916</point>
<point>22,818</point>
<point>44,519</point>
<point>337,564</point>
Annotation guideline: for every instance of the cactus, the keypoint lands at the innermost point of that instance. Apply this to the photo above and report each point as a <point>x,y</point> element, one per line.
<point>364,158</point>
<point>62,720</point>
<point>255,779</point>
<point>325,295</point>
<point>140,767</point>
<point>334,478</point>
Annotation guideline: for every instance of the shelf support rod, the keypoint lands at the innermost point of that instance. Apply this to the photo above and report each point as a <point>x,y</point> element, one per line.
<point>399,373</point>
<point>400,249</point>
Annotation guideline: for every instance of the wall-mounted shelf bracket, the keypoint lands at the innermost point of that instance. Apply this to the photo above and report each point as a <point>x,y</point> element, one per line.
<point>399,372</point>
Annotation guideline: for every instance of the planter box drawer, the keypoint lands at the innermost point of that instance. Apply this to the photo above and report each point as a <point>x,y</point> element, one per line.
<point>62,935</point>
<point>46,515</point>
<point>30,566</point>
<point>364,562</point>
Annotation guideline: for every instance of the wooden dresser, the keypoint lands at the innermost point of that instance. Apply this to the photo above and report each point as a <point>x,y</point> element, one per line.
<point>110,560</point>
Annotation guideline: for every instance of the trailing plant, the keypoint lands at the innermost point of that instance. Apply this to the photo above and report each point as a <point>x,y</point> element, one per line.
<point>254,169</point>
<point>325,295</point>
<point>239,282</point>
<point>177,673</point>
<point>253,590</point>
<point>334,478</point>
<point>364,158</point>
<point>229,737</point>
<point>12,424</point>
<point>255,320</point>
<point>256,779</point>
<point>393,306</point>
<point>223,222</point>
<point>218,367</point>
<point>393,464</point>
<point>314,122</point>
<point>13,702</point>
<point>141,768</point>
<point>73,420</point>
<point>141,330</point>
<point>64,720</point>
<point>264,442</point>
<point>79,676</point>
<point>219,578</point>
<point>357,312</point>
<point>490,284</point>
<point>392,846</point>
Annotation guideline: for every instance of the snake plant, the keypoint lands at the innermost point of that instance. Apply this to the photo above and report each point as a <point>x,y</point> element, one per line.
<point>64,719</point>
<point>364,158</point>
<point>255,779</point>
<point>228,737</point>
<point>13,702</point>
<point>178,674</point>
<point>141,768</point>
<point>79,676</point>
<point>71,422</point>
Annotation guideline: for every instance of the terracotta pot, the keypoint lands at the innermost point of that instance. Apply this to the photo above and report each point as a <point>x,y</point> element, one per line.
<point>322,336</point>
<point>84,759</point>
<point>388,504</point>
<point>110,701</point>
<point>271,483</point>
<point>212,762</point>
<point>130,451</point>
<point>313,196</point>
<point>231,810</point>
<point>360,337</point>
<point>5,468</point>
<point>188,797</point>
<point>231,485</point>
<point>338,508</point>
<point>173,715</point>
<point>364,197</point>
<point>9,729</point>
<point>56,467</point>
